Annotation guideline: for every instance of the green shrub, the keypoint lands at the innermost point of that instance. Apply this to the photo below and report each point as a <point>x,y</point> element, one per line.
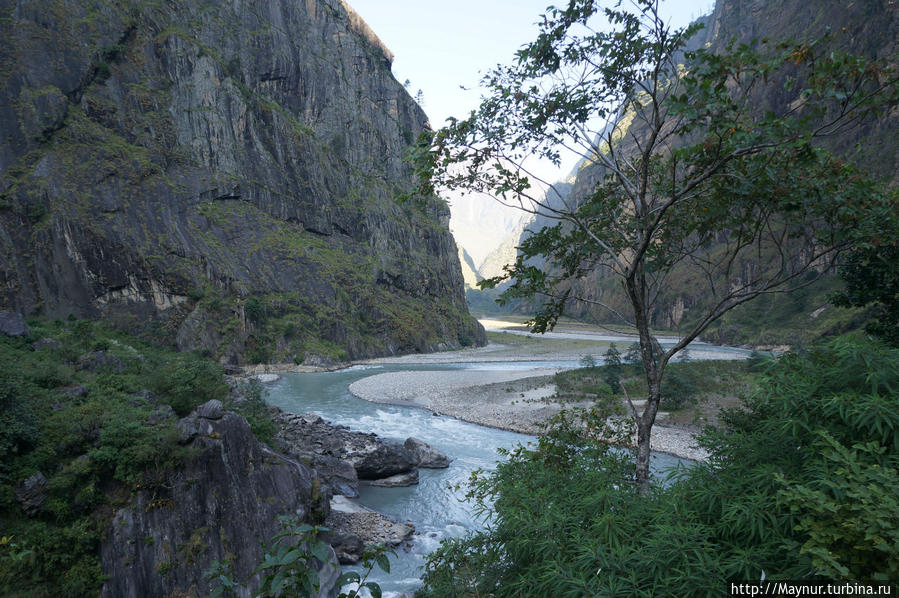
<point>613,368</point>
<point>255,311</point>
<point>186,381</point>
<point>250,403</point>
<point>678,390</point>
<point>801,484</point>
<point>18,424</point>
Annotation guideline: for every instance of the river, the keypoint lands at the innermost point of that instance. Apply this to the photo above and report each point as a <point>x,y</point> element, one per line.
<point>435,506</point>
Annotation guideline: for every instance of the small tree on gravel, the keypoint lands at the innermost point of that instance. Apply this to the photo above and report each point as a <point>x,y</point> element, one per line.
<point>612,360</point>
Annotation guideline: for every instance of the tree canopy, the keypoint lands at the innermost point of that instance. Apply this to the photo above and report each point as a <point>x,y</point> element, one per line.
<point>687,166</point>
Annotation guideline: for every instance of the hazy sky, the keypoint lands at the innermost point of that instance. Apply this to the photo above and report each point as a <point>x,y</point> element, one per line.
<point>440,44</point>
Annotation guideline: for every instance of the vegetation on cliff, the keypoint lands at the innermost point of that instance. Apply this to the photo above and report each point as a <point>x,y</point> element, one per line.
<point>166,168</point>
<point>88,415</point>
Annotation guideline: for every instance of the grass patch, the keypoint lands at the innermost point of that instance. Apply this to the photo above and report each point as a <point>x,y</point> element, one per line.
<point>685,384</point>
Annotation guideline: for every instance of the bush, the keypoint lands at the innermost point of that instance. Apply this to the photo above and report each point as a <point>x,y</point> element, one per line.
<point>248,400</point>
<point>678,389</point>
<point>186,381</point>
<point>18,425</point>
<point>612,360</point>
<point>758,361</point>
<point>255,311</point>
<point>801,485</point>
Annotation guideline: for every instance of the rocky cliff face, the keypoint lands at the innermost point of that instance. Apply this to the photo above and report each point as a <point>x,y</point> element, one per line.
<point>220,507</point>
<point>220,174</point>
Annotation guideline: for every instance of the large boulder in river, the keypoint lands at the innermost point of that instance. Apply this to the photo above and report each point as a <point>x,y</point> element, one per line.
<point>220,506</point>
<point>375,458</point>
<point>426,455</point>
<point>400,480</point>
<point>311,438</point>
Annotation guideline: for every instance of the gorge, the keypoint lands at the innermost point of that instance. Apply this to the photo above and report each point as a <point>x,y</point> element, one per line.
<point>193,193</point>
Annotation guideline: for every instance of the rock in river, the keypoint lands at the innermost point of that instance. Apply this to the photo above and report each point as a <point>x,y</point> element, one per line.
<point>426,455</point>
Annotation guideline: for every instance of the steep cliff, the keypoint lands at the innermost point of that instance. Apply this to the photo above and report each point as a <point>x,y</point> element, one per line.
<point>220,174</point>
<point>219,507</point>
<point>868,28</point>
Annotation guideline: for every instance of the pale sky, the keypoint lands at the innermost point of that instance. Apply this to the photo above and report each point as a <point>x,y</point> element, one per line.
<point>441,44</point>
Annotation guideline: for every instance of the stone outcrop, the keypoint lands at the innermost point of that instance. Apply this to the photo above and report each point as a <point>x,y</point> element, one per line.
<point>354,527</point>
<point>399,480</point>
<point>341,456</point>
<point>12,324</point>
<point>426,455</point>
<point>222,175</point>
<point>220,506</point>
<point>375,458</point>
<point>32,493</point>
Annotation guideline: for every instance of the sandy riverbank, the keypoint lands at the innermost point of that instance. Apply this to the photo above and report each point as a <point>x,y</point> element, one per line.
<point>511,400</point>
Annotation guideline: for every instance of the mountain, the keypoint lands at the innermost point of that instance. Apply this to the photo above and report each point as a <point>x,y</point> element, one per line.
<point>219,175</point>
<point>469,270</point>
<point>480,224</point>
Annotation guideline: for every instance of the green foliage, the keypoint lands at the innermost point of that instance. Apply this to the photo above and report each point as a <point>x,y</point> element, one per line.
<point>757,361</point>
<point>255,310</point>
<point>95,436</point>
<point>612,361</point>
<point>800,485</point>
<point>188,381</point>
<point>692,381</point>
<point>872,278</point>
<point>633,355</point>
<point>18,425</point>
<point>291,565</point>
<point>677,390</point>
<point>847,511</point>
<point>249,401</point>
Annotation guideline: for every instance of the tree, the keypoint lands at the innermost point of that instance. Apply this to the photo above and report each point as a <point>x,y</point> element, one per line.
<point>687,173</point>
<point>871,275</point>
<point>612,361</point>
<point>633,356</point>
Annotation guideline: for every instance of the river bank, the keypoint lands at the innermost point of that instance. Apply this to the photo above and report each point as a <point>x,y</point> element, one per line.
<point>513,401</point>
<point>510,397</point>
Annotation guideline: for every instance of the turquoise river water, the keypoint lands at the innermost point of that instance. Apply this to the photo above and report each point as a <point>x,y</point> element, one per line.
<point>435,506</point>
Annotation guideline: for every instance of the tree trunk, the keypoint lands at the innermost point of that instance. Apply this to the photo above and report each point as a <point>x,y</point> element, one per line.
<point>644,432</point>
<point>636,289</point>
